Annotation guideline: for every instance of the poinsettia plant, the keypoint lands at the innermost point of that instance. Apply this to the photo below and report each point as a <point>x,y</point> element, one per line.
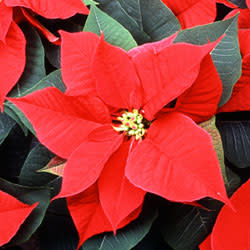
<point>124,124</point>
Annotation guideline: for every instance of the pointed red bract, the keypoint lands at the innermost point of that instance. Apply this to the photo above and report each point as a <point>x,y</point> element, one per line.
<point>5,20</point>
<point>12,60</point>
<point>160,75</point>
<point>61,122</point>
<point>116,79</point>
<point>172,168</point>
<point>51,8</point>
<point>88,160</point>
<point>227,3</point>
<point>118,196</point>
<point>224,236</point>
<point>12,214</point>
<point>193,12</point>
<point>78,79</point>
<point>200,101</point>
<point>206,244</point>
<point>88,215</point>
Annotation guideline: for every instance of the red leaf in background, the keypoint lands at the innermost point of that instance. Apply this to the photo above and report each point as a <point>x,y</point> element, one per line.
<point>127,196</point>
<point>231,229</point>
<point>12,214</point>
<point>5,20</point>
<point>223,237</point>
<point>12,60</point>
<point>176,148</point>
<point>88,215</point>
<point>78,79</point>
<point>51,8</point>
<point>248,3</point>
<point>201,99</point>
<point>193,12</point>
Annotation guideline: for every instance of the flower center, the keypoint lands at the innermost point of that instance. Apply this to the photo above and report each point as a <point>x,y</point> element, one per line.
<point>132,124</point>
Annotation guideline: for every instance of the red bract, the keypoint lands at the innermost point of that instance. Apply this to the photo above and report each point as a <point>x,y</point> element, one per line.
<point>51,8</point>
<point>193,12</point>
<point>12,214</point>
<point>224,235</point>
<point>12,41</point>
<point>112,128</point>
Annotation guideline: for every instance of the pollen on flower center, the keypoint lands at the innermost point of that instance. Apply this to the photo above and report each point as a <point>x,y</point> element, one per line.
<point>131,124</point>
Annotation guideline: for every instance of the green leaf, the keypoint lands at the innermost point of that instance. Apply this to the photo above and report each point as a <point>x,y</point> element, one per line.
<point>211,129</point>
<point>226,55</point>
<point>29,196</point>
<point>89,2</point>
<point>57,231</point>
<point>185,227</point>
<point>38,157</point>
<point>127,237</point>
<point>13,152</point>
<point>19,117</point>
<point>34,68</point>
<point>236,141</point>
<point>54,79</point>
<point>240,3</point>
<point>147,20</point>
<point>6,124</point>
<point>114,32</point>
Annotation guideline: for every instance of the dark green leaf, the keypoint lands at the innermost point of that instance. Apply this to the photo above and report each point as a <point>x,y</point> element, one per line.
<point>162,23</point>
<point>240,3</point>
<point>54,79</point>
<point>125,238</point>
<point>29,196</point>
<point>13,152</point>
<point>185,227</point>
<point>6,124</point>
<point>226,55</point>
<point>146,20</point>
<point>114,32</point>
<point>236,141</point>
<point>15,117</point>
<point>18,116</point>
<point>38,157</point>
<point>57,231</point>
<point>34,69</point>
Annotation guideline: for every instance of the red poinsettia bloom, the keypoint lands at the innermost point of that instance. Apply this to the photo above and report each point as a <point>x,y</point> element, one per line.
<point>193,12</point>
<point>12,214</point>
<point>223,236</point>
<point>118,138</point>
<point>12,41</point>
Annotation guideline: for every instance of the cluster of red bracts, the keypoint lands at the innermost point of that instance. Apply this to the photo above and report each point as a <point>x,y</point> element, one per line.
<point>113,124</point>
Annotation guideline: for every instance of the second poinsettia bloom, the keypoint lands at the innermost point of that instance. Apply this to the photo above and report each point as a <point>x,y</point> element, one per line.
<point>127,126</point>
<point>12,40</point>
